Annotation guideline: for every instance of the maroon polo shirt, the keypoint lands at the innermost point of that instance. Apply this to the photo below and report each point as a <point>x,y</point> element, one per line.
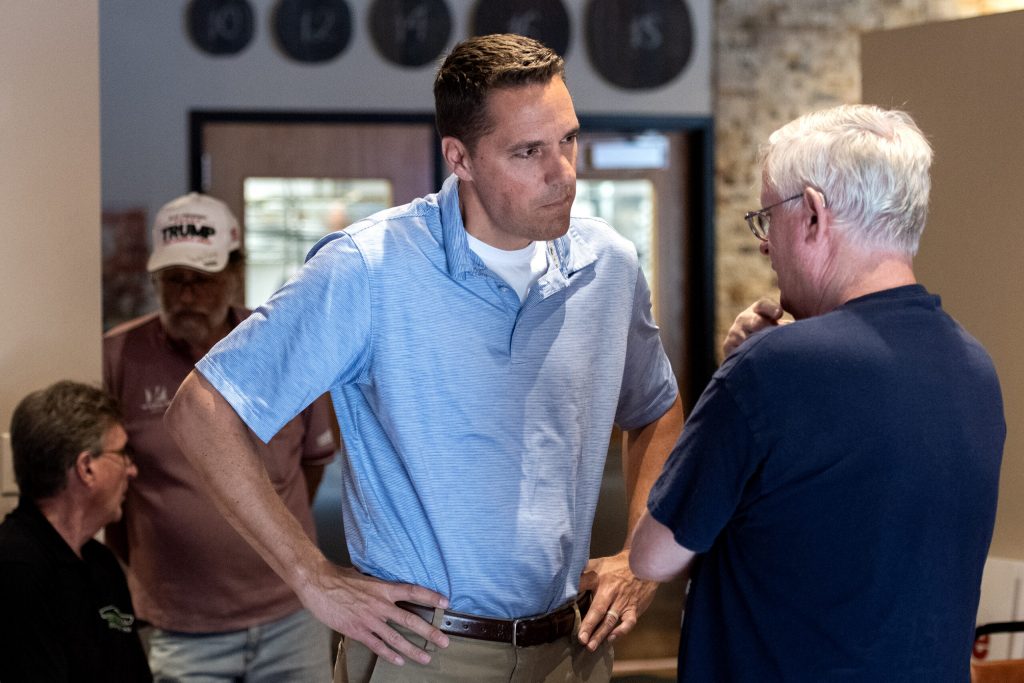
<point>188,569</point>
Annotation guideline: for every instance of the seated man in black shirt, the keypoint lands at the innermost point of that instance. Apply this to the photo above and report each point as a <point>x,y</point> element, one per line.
<point>65,611</point>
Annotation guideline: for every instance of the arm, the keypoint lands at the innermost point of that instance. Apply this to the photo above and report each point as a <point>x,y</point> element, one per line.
<point>655,555</point>
<point>313,474</point>
<point>619,596</point>
<point>218,444</point>
<point>644,454</point>
<point>760,315</point>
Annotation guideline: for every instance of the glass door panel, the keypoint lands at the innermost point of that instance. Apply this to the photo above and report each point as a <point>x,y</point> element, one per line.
<point>285,217</point>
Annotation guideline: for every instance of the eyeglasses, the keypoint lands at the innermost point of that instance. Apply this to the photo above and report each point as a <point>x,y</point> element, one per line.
<point>176,280</point>
<point>125,454</point>
<point>760,220</point>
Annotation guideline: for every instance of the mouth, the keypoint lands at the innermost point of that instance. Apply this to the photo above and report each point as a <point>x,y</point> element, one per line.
<point>187,320</point>
<point>559,203</point>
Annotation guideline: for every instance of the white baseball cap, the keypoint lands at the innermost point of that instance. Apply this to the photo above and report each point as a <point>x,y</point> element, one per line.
<point>193,231</point>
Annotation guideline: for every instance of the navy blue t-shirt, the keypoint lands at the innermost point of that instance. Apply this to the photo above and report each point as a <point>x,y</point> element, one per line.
<point>839,479</point>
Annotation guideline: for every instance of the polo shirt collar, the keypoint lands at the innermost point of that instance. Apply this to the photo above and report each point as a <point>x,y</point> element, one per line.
<point>574,253</point>
<point>572,249</point>
<point>453,232</point>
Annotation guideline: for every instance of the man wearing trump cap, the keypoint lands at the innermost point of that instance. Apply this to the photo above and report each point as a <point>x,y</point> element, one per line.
<point>216,607</point>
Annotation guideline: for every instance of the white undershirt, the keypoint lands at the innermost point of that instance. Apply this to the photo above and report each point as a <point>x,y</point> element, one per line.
<point>520,268</point>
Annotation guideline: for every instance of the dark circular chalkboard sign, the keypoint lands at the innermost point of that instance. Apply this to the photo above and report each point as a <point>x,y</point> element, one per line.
<point>410,32</point>
<point>543,20</point>
<point>220,27</point>
<point>639,44</point>
<point>312,30</point>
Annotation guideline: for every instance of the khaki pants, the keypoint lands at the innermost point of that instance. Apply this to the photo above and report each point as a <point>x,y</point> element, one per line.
<point>479,661</point>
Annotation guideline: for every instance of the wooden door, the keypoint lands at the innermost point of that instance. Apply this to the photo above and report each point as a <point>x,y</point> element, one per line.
<point>404,153</point>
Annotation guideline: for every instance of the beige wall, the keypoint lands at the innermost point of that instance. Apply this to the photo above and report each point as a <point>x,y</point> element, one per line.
<point>50,196</point>
<point>973,246</point>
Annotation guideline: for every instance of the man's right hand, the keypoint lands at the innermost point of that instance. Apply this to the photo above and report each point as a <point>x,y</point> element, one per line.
<point>360,607</point>
<point>760,315</point>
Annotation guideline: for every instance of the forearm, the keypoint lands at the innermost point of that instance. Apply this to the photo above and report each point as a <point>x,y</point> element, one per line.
<point>655,554</point>
<point>644,453</point>
<point>218,444</point>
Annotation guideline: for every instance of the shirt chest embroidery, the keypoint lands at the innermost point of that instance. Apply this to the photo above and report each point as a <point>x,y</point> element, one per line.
<point>116,619</point>
<point>157,399</point>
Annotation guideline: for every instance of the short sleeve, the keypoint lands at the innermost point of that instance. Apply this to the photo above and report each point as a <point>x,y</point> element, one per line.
<point>706,475</point>
<point>312,334</point>
<point>648,384</point>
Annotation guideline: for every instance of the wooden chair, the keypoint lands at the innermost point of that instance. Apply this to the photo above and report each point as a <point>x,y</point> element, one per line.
<point>997,670</point>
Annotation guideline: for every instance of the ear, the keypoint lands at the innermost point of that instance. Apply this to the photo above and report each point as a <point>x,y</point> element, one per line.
<point>83,468</point>
<point>457,155</point>
<point>819,220</point>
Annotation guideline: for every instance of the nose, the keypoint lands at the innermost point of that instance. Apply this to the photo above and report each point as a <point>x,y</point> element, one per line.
<point>187,291</point>
<point>764,247</point>
<point>563,170</point>
<point>132,470</point>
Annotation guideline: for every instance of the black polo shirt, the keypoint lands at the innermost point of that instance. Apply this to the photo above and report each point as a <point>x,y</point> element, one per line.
<point>63,618</point>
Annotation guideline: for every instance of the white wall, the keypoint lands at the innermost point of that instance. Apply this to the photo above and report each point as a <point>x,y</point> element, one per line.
<point>50,193</point>
<point>152,75</point>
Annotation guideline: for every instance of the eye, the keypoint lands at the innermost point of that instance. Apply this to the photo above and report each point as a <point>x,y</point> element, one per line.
<point>528,152</point>
<point>571,138</point>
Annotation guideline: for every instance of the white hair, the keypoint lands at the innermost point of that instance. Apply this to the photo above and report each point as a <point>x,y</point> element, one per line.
<point>871,164</point>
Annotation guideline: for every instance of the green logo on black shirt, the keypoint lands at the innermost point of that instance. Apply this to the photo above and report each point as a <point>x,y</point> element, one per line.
<point>116,619</point>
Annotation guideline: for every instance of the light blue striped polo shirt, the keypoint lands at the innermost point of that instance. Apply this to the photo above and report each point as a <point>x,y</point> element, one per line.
<point>476,427</point>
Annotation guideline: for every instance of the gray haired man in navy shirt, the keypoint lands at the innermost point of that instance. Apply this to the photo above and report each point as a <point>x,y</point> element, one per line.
<point>834,492</point>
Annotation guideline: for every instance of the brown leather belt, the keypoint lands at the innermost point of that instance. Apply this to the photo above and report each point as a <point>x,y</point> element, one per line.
<point>525,632</point>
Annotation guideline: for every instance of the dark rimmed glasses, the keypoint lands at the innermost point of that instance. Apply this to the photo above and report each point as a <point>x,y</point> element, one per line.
<point>176,280</point>
<point>760,220</point>
<point>125,454</point>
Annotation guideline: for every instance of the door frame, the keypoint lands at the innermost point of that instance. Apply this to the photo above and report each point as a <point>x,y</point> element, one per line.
<point>699,357</point>
<point>699,360</point>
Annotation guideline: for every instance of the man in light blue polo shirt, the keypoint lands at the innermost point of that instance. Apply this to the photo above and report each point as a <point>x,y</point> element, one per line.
<point>479,345</point>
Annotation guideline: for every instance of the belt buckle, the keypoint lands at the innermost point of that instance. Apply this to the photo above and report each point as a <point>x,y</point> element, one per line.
<point>516,622</point>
